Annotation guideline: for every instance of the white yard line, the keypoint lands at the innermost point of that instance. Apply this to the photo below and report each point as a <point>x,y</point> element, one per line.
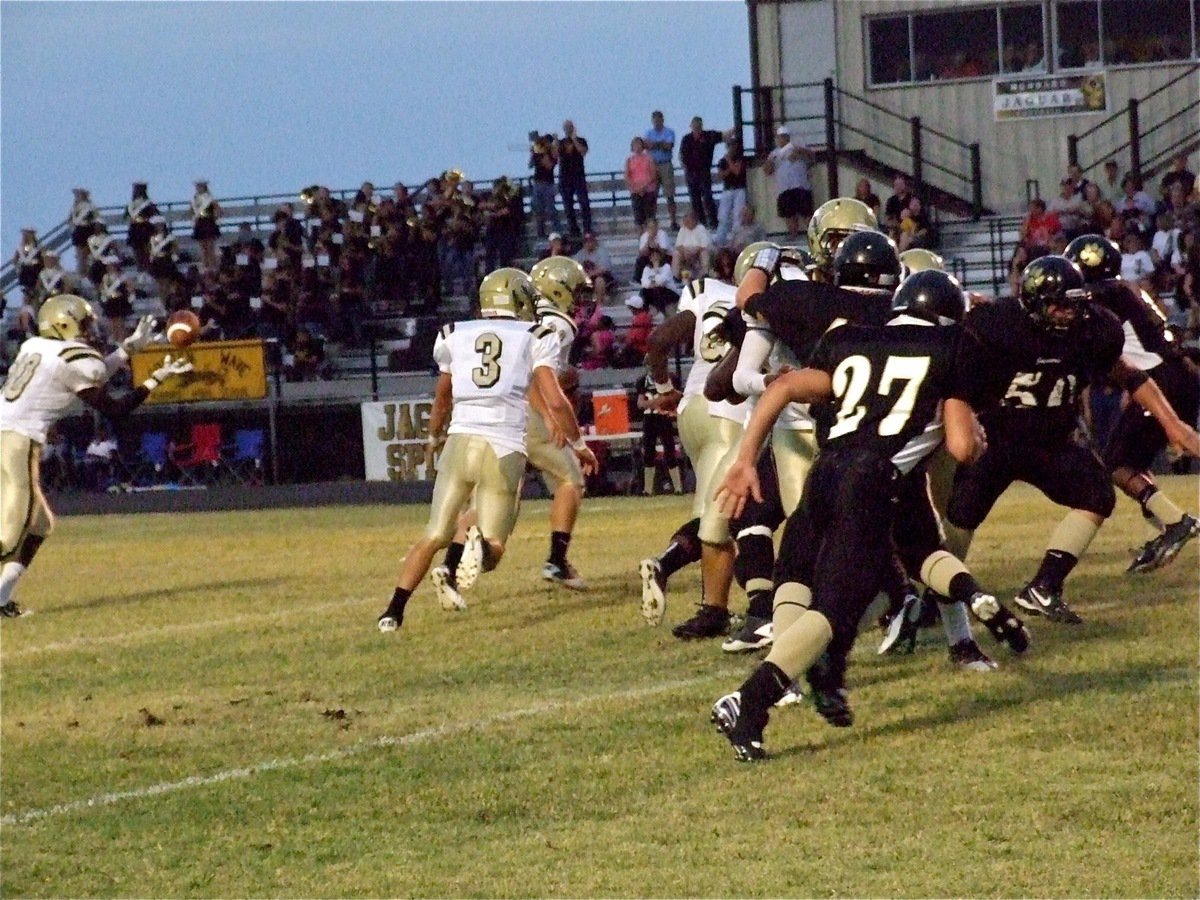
<point>425,735</point>
<point>83,643</point>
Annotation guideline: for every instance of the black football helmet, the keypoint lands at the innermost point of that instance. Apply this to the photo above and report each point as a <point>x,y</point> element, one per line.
<point>1052,281</point>
<point>867,259</point>
<point>1098,257</point>
<point>932,295</point>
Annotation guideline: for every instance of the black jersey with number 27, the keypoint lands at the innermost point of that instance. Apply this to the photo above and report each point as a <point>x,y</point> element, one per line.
<point>888,386</point>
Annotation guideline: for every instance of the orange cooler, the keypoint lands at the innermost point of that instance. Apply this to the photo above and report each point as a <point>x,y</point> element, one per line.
<point>611,411</point>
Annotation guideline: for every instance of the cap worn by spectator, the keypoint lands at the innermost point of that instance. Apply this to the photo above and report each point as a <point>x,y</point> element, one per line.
<point>554,236</point>
<point>635,302</point>
<point>782,131</point>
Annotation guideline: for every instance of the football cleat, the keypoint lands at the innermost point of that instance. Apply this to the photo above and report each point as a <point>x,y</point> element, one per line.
<point>791,696</point>
<point>448,596</point>
<point>564,575</point>
<point>1161,550</point>
<point>708,622</point>
<point>967,655</point>
<point>1042,601</point>
<point>390,621</point>
<point>10,610</point>
<point>654,591</point>
<point>754,634</point>
<point>471,563</point>
<point>902,628</point>
<point>828,692</point>
<point>1005,627</point>
<point>747,742</point>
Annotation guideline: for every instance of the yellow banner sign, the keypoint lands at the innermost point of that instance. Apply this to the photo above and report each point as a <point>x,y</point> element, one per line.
<point>225,370</point>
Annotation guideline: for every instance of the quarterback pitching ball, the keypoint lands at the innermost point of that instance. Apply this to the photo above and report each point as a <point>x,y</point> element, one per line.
<point>183,327</point>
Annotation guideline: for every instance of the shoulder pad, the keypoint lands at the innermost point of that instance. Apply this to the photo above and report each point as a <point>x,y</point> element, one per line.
<point>447,330</point>
<point>698,286</point>
<point>540,331</point>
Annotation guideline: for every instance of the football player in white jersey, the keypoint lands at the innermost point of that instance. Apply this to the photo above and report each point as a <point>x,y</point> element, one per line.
<point>707,431</point>
<point>50,373</point>
<point>488,368</point>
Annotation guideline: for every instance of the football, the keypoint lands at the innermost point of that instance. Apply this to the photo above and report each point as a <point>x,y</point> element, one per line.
<point>183,327</point>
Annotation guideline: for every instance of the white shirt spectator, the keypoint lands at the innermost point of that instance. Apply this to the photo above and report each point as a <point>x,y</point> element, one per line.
<point>1166,245</point>
<point>791,171</point>
<point>1136,266</point>
<point>659,276</point>
<point>664,241</point>
<point>693,238</point>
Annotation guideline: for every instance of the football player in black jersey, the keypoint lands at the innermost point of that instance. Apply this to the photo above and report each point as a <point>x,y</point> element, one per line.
<point>888,386</point>
<point>1034,354</point>
<point>1138,437</point>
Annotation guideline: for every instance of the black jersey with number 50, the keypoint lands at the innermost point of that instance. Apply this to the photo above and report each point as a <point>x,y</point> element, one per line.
<point>888,386</point>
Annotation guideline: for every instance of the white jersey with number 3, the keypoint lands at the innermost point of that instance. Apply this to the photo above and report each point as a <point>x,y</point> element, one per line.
<point>43,383</point>
<point>491,363</point>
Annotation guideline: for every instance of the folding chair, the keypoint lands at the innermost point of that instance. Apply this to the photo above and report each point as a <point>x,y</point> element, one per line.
<point>150,462</point>
<point>199,460</point>
<point>244,458</point>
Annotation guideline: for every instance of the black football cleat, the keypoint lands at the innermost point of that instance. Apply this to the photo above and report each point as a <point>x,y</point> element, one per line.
<point>999,620</point>
<point>1044,601</point>
<point>708,622</point>
<point>747,741</point>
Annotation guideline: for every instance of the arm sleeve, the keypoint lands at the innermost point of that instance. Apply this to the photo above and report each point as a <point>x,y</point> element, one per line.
<point>545,349</point>
<point>748,377</point>
<point>441,354</point>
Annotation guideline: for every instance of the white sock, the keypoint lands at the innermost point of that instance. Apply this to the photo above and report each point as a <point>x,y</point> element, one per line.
<point>10,573</point>
<point>956,623</point>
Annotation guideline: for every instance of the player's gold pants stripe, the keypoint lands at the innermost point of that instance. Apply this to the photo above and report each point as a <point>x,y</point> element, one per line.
<point>22,505</point>
<point>469,463</point>
<point>706,439</point>
<point>794,454</point>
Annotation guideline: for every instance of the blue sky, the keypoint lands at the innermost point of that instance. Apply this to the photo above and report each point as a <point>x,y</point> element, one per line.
<point>268,97</point>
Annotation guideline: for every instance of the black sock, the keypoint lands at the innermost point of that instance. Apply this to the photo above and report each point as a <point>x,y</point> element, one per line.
<point>399,601</point>
<point>453,557</point>
<point>755,558</point>
<point>684,549</point>
<point>29,548</point>
<point>761,604</point>
<point>762,689</point>
<point>1056,566</point>
<point>963,587</point>
<point>559,541</point>
<point>1144,495</point>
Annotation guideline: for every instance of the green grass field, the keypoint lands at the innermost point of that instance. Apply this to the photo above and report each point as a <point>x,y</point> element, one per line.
<point>201,706</point>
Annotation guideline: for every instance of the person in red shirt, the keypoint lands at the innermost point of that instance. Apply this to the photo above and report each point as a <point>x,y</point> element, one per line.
<point>1038,228</point>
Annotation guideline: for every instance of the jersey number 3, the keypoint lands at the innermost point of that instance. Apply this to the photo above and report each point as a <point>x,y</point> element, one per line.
<point>851,379</point>
<point>489,347</point>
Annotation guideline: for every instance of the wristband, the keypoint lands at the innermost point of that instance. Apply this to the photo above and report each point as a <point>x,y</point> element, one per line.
<point>767,259</point>
<point>579,443</point>
<point>664,387</point>
<point>150,383</point>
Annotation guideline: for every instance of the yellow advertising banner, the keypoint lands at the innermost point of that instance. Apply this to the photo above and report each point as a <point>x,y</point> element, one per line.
<point>225,370</point>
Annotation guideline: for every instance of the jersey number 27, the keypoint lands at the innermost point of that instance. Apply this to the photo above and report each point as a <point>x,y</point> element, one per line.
<point>852,378</point>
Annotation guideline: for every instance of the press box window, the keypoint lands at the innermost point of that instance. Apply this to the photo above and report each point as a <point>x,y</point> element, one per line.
<point>1022,39</point>
<point>954,44</point>
<point>889,50</point>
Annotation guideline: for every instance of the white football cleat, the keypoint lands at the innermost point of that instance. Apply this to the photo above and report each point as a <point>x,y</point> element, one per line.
<point>448,596</point>
<point>471,563</point>
<point>654,598</point>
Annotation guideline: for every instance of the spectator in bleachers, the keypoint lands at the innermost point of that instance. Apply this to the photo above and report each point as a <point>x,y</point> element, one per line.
<point>1075,176</point>
<point>789,163</point>
<point>138,213</point>
<point>459,236</point>
<point>863,193</point>
<point>1179,174</point>
<point>278,300</point>
<point>1091,199</point>
<point>732,170</point>
<point>27,259</point>
<point>652,238</point>
<point>52,279</point>
<point>1135,203</point>
<point>1110,185</point>
<point>641,178</point>
<point>1070,207</point>
<point>1175,202</point>
<point>282,239</point>
<point>595,259</point>
<point>115,299</point>
<point>637,337</point>
<point>660,290</point>
<point>426,272</point>
<point>601,341</point>
<point>502,210</point>
<point>391,267</point>
<point>364,198</point>
<point>572,178</point>
<point>1163,247</point>
<point>344,293</point>
<point>1136,264</point>
<point>1016,266</point>
<point>101,246</point>
<point>696,156</point>
<point>205,212</point>
<point>692,247</point>
<point>554,246</point>
<point>1037,228</point>
<point>82,216</point>
<point>58,462</point>
<point>164,263</point>
<point>748,230</point>
<point>914,230</point>
<point>1189,280</point>
<point>543,158</point>
<point>901,193</point>
<point>660,143</point>
<point>305,359</point>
